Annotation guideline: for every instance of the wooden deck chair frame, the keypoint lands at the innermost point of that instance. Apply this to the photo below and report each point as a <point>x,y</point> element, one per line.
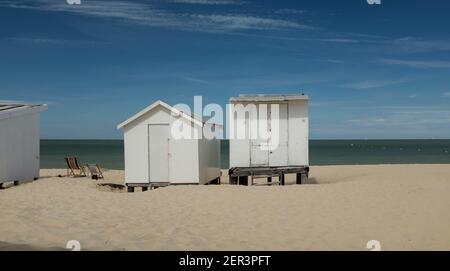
<point>73,166</point>
<point>95,170</point>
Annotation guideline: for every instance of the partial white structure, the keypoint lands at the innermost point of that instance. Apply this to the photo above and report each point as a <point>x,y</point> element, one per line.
<point>153,156</point>
<point>285,149</point>
<point>19,142</point>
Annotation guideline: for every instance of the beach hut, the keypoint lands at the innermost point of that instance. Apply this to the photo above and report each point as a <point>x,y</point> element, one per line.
<point>156,154</point>
<point>19,142</point>
<point>269,137</point>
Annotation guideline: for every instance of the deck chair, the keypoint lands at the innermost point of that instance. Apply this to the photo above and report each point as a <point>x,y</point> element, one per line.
<point>73,167</point>
<point>95,171</point>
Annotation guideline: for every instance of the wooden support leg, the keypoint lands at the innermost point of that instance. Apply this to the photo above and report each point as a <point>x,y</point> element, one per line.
<point>269,180</point>
<point>16,183</point>
<point>299,178</point>
<point>1,185</point>
<point>130,189</point>
<point>144,188</point>
<point>233,180</point>
<point>243,180</point>
<point>282,179</point>
<point>215,181</point>
<point>303,178</point>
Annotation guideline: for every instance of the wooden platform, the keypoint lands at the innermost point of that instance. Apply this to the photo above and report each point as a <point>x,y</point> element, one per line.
<point>145,186</point>
<point>241,175</point>
<point>153,185</point>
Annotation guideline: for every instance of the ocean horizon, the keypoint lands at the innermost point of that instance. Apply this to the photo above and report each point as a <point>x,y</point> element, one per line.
<point>109,153</point>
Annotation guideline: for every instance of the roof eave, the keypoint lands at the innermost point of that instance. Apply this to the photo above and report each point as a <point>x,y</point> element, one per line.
<point>153,106</point>
<point>270,98</point>
<point>24,111</point>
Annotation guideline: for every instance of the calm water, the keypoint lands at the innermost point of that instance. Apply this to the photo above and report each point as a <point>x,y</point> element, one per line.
<point>109,153</point>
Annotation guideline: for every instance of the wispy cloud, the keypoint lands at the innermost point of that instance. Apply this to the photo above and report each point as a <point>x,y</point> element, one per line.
<point>333,61</point>
<point>416,64</point>
<point>47,41</point>
<point>195,80</point>
<point>12,102</point>
<point>413,44</point>
<point>150,15</point>
<point>380,122</point>
<point>208,2</point>
<point>447,94</point>
<point>159,14</point>
<point>290,11</point>
<point>229,22</point>
<point>410,45</point>
<point>373,84</point>
<point>406,116</point>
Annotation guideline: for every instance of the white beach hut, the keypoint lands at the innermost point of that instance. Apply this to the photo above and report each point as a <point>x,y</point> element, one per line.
<point>154,156</point>
<point>19,142</point>
<point>264,156</point>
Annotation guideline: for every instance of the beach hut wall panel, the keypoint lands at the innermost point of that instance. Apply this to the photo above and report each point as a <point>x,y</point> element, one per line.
<point>209,159</point>
<point>19,142</point>
<point>153,155</point>
<point>292,147</point>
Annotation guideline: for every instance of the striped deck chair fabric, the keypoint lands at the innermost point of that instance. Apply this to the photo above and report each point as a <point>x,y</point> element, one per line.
<point>95,171</point>
<point>73,168</point>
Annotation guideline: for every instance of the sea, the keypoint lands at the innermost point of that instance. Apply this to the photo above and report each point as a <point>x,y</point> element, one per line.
<point>109,153</point>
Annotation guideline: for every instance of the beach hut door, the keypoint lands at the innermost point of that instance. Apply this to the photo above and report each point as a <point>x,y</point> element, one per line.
<point>278,154</point>
<point>158,136</point>
<point>259,151</point>
<point>259,155</point>
<point>272,151</point>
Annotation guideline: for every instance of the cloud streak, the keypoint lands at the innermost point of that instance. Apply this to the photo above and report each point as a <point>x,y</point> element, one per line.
<point>150,15</point>
<point>381,122</point>
<point>156,14</point>
<point>236,22</point>
<point>58,42</point>
<point>406,116</point>
<point>3,102</point>
<point>416,64</point>
<point>412,44</point>
<point>289,11</point>
<point>363,85</point>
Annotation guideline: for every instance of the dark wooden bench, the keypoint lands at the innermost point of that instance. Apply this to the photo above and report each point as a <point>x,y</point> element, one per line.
<point>240,175</point>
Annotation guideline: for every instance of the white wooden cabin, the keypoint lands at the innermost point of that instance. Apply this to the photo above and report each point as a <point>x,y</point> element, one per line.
<point>19,142</point>
<point>289,153</point>
<point>154,157</point>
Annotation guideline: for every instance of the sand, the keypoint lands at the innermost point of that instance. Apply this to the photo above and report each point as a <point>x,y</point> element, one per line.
<point>405,207</point>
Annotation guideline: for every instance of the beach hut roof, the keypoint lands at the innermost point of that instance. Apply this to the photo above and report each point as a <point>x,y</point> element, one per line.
<point>269,98</point>
<point>190,117</point>
<point>11,110</point>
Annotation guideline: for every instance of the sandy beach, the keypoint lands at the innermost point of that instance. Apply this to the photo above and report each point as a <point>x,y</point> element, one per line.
<point>405,207</point>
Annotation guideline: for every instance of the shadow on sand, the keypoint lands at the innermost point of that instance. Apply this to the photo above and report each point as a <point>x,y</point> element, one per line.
<point>312,181</point>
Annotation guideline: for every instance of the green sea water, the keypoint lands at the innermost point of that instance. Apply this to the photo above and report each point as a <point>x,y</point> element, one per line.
<point>109,153</point>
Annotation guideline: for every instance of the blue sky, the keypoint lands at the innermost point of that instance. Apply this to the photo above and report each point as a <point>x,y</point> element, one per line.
<point>380,71</point>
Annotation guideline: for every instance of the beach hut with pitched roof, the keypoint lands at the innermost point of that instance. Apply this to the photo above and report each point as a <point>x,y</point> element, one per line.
<point>19,142</point>
<point>165,146</point>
